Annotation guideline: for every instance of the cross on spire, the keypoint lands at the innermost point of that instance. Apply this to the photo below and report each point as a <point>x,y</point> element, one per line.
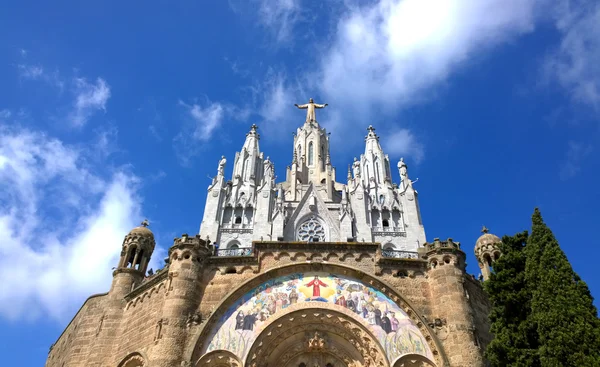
<point>484,230</point>
<point>145,223</point>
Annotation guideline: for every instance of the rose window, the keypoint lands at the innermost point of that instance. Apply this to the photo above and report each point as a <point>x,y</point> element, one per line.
<point>311,231</point>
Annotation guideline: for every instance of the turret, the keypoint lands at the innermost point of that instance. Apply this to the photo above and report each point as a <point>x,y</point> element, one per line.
<point>186,264</point>
<point>136,251</point>
<point>447,275</point>
<point>487,251</point>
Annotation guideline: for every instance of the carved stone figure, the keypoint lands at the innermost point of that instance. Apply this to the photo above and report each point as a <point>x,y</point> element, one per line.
<point>222,162</point>
<point>356,168</point>
<point>402,167</point>
<point>310,109</point>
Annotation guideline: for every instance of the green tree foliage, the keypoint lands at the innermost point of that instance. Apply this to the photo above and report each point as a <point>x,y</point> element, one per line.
<point>561,308</point>
<point>515,340</point>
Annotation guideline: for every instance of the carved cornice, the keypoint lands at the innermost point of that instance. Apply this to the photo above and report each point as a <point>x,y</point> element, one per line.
<point>156,279</point>
<point>127,271</point>
<point>315,246</point>
<point>236,230</point>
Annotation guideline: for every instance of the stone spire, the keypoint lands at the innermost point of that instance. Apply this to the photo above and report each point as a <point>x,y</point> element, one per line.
<point>375,164</point>
<point>247,166</point>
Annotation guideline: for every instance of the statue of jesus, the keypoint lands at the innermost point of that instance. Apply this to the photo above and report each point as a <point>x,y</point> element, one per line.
<point>310,109</point>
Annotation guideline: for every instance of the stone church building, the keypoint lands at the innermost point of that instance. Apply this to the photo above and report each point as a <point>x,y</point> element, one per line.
<point>308,272</point>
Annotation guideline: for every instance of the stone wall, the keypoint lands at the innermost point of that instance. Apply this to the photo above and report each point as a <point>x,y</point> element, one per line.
<point>73,346</point>
<point>481,307</point>
<point>448,305</point>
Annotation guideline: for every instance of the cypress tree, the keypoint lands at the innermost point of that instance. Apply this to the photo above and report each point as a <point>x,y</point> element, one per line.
<point>562,309</point>
<point>515,339</point>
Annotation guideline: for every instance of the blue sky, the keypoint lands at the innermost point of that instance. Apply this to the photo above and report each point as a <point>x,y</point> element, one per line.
<point>112,112</point>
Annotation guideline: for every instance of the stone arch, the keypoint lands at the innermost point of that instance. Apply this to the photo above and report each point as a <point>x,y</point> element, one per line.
<point>333,335</point>
<point>202,337</point>
<point>219,358</point>
<point>413,360</point>
<point>389,246</point>
<point>134,359</point>
<point>233,245</point>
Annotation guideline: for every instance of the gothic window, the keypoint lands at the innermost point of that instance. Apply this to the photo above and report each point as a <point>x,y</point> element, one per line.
<point>387,169</point>
<point>378,175</point>
<point>238,220</point>
<point>311,231</point>
<point>310,154</point>
<point>386,223</point>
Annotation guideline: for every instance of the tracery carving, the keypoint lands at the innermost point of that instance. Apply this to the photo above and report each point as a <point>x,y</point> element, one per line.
<point>311,230</point>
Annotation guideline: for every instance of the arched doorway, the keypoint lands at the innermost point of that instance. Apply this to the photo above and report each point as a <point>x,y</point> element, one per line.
<point>316,336</point>
<point>242,315</point>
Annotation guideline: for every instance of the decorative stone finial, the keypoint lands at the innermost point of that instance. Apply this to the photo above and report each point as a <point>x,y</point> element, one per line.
<point>253,130</point>
<point>145,223</point>
<point>484,230</point>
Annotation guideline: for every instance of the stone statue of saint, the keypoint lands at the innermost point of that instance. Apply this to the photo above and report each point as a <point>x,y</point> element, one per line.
<point>268,169</point>
<point>356,168</point>
<point>222,166</point>
<point>310,109</point>
<point>402,167</point>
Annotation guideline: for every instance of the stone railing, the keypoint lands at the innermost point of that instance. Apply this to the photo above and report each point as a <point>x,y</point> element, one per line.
<point>234,252</point>
<point>399,254</point>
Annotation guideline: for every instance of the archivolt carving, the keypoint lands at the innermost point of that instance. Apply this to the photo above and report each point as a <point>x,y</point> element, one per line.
<point>219,358</point>
<point>361,345</point>
<point>413,360</point>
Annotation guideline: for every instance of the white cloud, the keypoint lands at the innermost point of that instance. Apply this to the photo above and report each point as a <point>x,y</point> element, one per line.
<point>61,225</point>
<point>575,64</point>
<point>89,98</point>
<point>206,119</point>
<point>392,53</point>
<point>401,143</point>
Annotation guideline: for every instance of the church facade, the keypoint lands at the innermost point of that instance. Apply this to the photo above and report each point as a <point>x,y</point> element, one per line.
<point>306,272</point>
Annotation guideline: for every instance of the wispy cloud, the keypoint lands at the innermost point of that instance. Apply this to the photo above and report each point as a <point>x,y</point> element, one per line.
<point>89,98</point>
<point>39,73</point>
<point>402,142</point>
<point>280,16</point>
<point>78,219</point>
<point>201,121</point>
<point>30,71</point>
<point>571,164</point>
<point>574,63</point>
<point>206,119</point>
